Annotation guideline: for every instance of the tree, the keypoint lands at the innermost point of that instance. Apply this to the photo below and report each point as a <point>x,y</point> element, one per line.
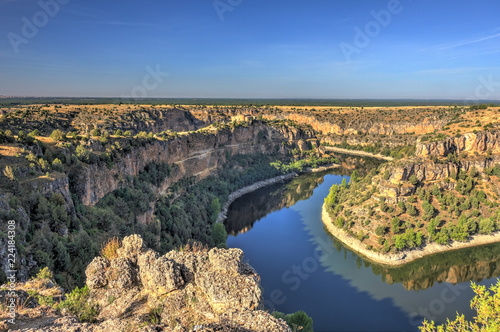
<point>219,235</point>
<point>57,135</point>
<point>57,165</point>
<point>298,321</point>
<point>9,173</point>
<point>96,132</point>
<point>214,209</point>
<point>82,153</point>
<point>413,180</point>
<point>486,320</point>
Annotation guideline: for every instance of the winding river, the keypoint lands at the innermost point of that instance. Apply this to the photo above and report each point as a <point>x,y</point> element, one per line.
<point>303,268</point>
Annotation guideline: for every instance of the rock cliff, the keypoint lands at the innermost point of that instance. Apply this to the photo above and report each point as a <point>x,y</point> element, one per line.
<point>193,153</point>
<point>470,143</point>
<point>139,290</point>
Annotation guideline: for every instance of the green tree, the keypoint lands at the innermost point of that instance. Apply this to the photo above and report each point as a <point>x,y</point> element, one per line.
<point>298,321</point>
<point>487,319</point>
<point>57,135</point>
<point>82,153</point>
<point>214,209</point>
<point>95,132</point>
<point>413,180</point>
<point>57,165</point>
<point>219,235</point>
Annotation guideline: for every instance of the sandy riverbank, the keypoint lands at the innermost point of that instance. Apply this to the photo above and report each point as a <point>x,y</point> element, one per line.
<point>321,168</point>
<point>358,153</point>
<point>245,190</point>
<point>402,257</point>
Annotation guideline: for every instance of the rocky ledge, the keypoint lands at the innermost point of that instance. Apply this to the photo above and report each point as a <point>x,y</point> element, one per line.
<point>190,290</point>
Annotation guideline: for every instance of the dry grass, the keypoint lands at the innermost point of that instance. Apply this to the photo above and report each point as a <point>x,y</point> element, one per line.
<point>109,249</point>
<point>194,247</point>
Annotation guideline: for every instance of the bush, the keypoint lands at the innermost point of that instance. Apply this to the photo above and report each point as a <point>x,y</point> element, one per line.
<point>44,274</point>
<point>413,180</point>
<point>298,321</point>
<point>77,302</point>
<point>109,250</point>
<point>486,319</point>
<point>57,135</point>
<point>380,230</point>
<point>95,132</point>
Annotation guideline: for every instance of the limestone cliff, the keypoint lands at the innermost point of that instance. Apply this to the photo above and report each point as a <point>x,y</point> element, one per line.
<point>194,153</point>
<point>139,290</point>
<point>470,143</point>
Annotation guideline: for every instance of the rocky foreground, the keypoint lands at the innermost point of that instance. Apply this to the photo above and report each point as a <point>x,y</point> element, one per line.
<point>190,290</point>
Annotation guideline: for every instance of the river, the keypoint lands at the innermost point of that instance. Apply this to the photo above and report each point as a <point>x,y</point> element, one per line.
<point>303,268</point>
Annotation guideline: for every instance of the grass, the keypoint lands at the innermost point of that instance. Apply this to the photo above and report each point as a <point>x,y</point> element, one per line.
<point>109,249</point>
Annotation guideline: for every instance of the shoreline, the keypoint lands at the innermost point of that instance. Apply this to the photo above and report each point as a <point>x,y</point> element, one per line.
<point>401,258</point>
<point>248,189</point>
<point>321,168</point>
<point>358,153</point>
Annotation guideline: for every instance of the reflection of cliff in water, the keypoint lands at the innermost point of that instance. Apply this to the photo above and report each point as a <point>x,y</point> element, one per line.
<point>246,210</point>
<point>252,207</point>
<point>470,264</point>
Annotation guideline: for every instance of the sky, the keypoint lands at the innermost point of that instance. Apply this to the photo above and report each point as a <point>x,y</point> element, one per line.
<point>337,49</point>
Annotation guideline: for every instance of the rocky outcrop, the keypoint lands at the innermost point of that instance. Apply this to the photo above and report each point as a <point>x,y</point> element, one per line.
<point>139,290</point>
<point>198,287</point>
<point>470,143</point>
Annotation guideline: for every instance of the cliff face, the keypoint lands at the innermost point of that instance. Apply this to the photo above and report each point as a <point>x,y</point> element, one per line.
<point>368,126</point>
<point>470,143</point>
<point>211,290</point>
<point>195,154</point>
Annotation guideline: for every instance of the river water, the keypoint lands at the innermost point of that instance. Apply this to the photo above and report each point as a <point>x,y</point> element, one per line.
<point>304,268</point>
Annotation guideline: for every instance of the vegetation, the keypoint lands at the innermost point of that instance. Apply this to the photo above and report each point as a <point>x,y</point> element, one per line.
<point>485,303</point>
<point>77,303</point>
<point>298,321</point>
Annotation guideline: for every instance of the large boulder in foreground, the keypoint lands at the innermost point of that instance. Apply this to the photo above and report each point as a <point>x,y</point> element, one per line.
<point>212,289</point>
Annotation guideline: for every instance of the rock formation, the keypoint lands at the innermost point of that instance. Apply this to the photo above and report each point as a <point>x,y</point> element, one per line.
<point>204,290</point>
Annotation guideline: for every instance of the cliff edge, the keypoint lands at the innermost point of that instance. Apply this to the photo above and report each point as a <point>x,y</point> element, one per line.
<point>190,290</point>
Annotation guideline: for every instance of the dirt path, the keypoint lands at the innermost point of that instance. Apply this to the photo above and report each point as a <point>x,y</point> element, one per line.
<point>358,153</point>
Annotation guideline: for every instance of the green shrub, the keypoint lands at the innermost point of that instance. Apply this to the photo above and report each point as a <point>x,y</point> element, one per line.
<point>57,135</point>
<point>77,302</point>
<point>298,321</point>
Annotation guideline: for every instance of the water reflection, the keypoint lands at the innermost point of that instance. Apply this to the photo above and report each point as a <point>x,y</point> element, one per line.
<point>472,264</point>
<point>243,213</point>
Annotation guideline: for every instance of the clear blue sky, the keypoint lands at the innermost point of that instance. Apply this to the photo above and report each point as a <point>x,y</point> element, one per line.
<point>261,48</point>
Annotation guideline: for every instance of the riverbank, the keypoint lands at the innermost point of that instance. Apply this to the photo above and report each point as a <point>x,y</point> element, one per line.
<point>248,189</point>
<point>321,168</point>
<point>358,153</point>
<point>400,258</point>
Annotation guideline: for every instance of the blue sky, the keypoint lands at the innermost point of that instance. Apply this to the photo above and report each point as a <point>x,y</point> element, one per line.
<point>251,48</point>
